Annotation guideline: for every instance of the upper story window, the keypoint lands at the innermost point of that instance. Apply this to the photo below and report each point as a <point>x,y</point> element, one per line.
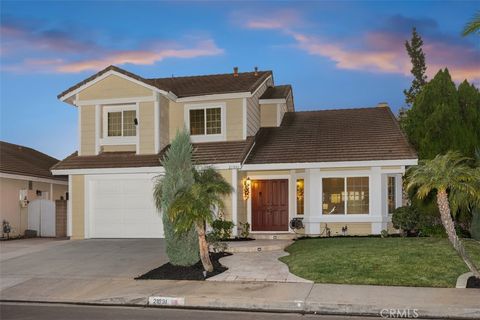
<point>206,122</point>
<point>119,124</point>
<point>345,195</point>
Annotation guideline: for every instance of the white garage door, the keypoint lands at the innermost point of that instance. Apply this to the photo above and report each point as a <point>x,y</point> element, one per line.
<point>122,206</point>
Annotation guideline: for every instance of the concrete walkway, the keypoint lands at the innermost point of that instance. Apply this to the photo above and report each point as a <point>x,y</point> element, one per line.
<point>256,266</point>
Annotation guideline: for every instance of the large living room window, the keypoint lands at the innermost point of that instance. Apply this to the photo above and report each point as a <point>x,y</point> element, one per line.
<point>119,124</point>
<point>345,195</point>
<point>206,123</point>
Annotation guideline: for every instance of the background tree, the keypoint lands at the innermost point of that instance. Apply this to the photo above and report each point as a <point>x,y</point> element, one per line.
<point>194,206</point>
<point>473,26</point>
<point>181,248</point>
<point>443,118</point>
<point>417,57</point>
<point>449,173</point>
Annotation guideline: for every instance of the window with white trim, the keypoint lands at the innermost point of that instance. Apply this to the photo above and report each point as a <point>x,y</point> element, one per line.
<point>206,122</point>
<point>348,195</point>
<point>119,124</point>
<point>391,194</point>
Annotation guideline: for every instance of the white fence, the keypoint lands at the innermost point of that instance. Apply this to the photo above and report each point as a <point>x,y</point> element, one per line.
<point>41,217</point>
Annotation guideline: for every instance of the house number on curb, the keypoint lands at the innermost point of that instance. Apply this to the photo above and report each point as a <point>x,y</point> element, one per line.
<point>166,301</point>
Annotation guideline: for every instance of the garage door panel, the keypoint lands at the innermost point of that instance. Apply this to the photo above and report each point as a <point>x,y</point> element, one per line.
<point>123,207</point>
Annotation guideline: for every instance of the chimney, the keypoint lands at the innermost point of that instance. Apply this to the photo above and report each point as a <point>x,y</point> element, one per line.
<point>235,71</point>
<point>382,105</point>
<point>256,71</point>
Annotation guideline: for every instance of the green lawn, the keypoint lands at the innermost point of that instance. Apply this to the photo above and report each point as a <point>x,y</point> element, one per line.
<point>426,262</point>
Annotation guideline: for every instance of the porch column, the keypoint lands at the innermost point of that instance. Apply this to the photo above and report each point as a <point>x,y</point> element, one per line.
<point>69,207</point>
<point>377,184</point>
<point>235,201</point>
<point>312,196</point>
<point>398,190</point>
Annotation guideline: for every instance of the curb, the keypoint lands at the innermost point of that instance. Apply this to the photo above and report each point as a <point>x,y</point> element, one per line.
<point>239,304</point>
<point>463,279</point>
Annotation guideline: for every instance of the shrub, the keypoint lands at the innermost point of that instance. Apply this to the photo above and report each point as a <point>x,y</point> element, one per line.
<point>222,229</point>
<point>384,233</point>
<point>406,218</point>
<point>181,248</point>
<point>475,226</point>
<point>245,230</point>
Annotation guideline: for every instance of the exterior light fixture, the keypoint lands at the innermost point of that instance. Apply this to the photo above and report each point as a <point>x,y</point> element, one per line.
<point>247,183</point>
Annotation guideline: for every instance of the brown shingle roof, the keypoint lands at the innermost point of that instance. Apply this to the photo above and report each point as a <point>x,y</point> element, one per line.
<point>204,153</point>
<point>332,135</point>
<point>192,85</point>
<point>16,159</point>
<point>277,92</point>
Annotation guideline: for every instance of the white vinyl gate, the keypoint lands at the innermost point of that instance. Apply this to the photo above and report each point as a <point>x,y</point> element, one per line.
<point>41,217</point>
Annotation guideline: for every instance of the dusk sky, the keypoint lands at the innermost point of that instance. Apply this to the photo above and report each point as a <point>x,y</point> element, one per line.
<point>335,54</point>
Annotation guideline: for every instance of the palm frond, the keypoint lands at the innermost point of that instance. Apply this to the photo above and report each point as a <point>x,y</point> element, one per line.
<point>473,26</point>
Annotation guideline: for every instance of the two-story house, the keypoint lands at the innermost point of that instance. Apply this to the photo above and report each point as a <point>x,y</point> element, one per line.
<point>332,168</point>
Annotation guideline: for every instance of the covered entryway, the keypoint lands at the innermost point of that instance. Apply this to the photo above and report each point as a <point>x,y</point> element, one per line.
<point>122,206</point>
<point>270,205</point>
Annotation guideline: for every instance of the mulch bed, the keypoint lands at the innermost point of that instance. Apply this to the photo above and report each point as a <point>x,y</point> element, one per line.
<point>237,239</point>
<point>170,272</point>
<point>473,282</point>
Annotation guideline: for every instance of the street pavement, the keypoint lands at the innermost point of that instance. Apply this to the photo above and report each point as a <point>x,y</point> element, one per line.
<point>22,311</point>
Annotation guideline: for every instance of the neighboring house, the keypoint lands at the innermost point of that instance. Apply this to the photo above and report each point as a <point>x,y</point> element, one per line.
<point>330,167</point>
<point>25,176</point>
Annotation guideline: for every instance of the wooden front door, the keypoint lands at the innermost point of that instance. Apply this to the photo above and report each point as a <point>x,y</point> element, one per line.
<point>270,205</point>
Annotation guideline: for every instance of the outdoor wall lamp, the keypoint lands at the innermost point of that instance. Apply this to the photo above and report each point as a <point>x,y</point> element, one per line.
<point>247,183</point>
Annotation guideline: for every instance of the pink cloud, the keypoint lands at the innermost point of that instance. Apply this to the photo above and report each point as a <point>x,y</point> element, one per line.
<point>281,19</point>
<point>141,57</point>
<point>381,51</point>
<point>27,48</point>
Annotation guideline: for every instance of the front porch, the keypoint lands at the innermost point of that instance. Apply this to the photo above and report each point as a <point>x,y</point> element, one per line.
<point>340,200</point>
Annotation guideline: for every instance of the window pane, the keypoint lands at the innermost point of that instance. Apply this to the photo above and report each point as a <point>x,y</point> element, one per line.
<point>214,121</point>
<point>300,196</point>
<point>197,121</point>
<point>114,124</point>
<point>357,190</point>
<point>129,128</point>
<point>333,196</point>
<point>391,194</point>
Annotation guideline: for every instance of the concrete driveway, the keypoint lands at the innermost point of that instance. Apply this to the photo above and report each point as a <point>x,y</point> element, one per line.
<point>79,259</point>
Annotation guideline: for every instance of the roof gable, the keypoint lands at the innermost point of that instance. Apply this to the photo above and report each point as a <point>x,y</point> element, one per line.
<point>180,86</point>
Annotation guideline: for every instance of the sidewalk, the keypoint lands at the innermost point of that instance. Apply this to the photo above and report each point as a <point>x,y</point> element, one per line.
<point>266,296</point>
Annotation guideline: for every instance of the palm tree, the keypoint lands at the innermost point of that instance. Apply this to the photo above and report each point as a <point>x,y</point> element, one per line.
<point>194,206</point>
<point>473,26</point>
<point>448,174</point>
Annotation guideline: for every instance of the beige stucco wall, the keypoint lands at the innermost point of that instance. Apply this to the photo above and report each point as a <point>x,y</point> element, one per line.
<point>87,134</point>
<point>253,109</point>
<point>227,175</point>
<point>354,228</point>
<point>10,209</point>
<point>114,87</point>
<point>268,115</point>
<point>78,206</point>
<point>234,117</point>
<point>290,104</point>
<point>241,203</point>
<point>164,122</point>
<point>147,127</point>
<point>119,148</point>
